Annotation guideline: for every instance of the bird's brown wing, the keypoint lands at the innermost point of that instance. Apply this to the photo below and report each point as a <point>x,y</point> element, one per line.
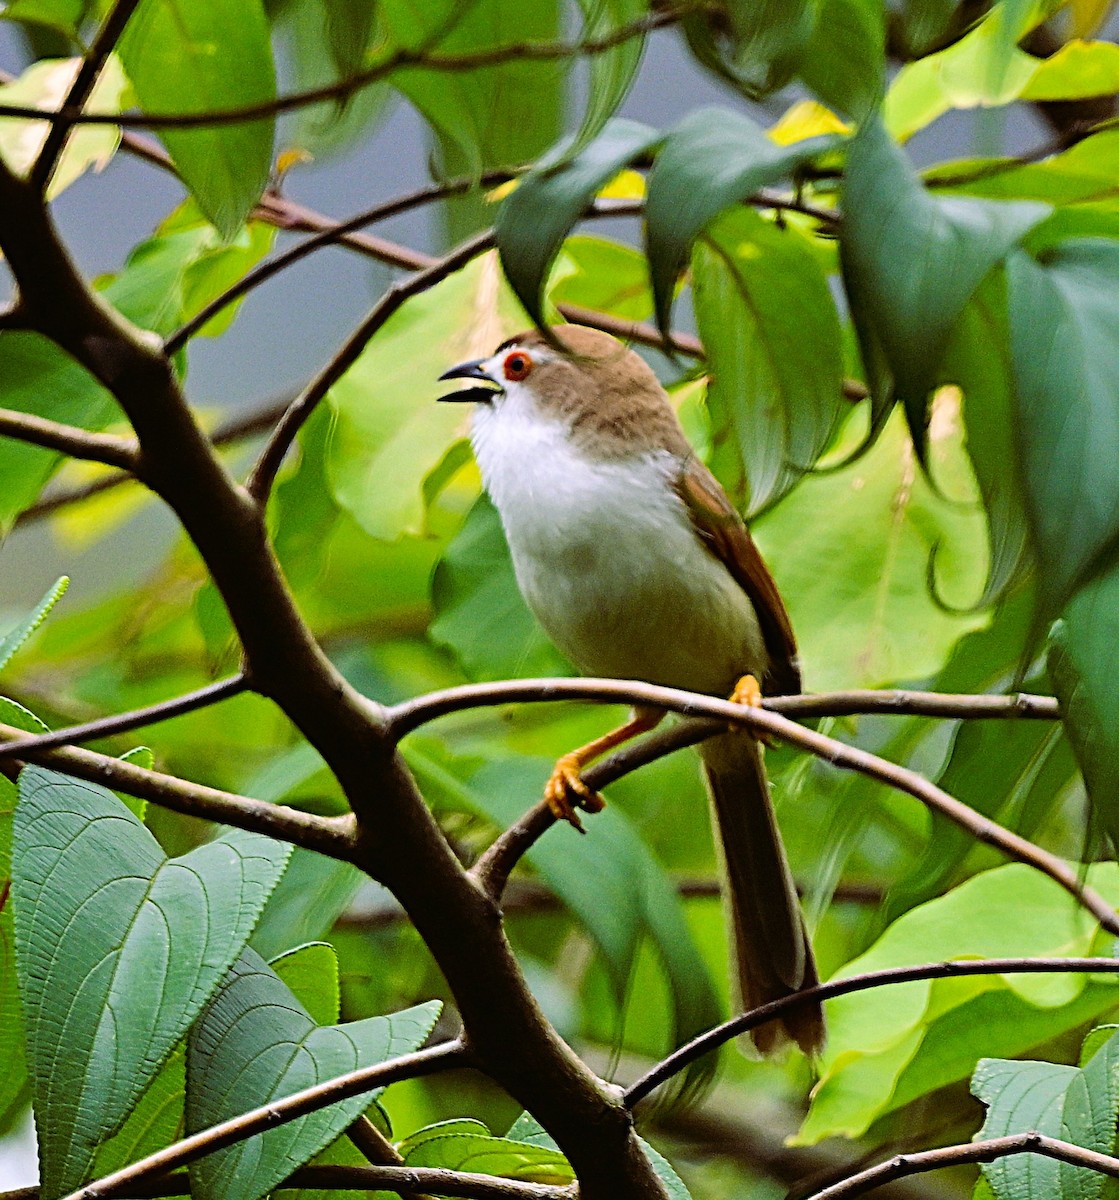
<point>724,533</point>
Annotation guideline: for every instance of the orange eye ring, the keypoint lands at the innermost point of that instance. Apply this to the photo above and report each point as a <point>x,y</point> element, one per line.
<point>517,366</point>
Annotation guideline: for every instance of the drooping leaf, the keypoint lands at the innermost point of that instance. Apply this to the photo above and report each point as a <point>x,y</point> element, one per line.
<point>45,85</point>
<point>469,1146</point>
<point>1064,338</point>
<point>547,202</point>
<point>915,260</point>
<point>145,941</point>
<point>755,45</point>
<point>888,1046</point>
<point>611,73</point>
<point>390,432</point>
<point>845,60</point>
<point>255,1043</point>
<point>771,332</point>
<point>22,630</point>
<point>192,56</point>
<point>714,158</point>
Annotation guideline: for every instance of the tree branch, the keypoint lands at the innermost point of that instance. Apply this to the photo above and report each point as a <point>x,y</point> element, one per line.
<point>706,1042</point>
<point>269,1116</point>
<point>103,43</point>
<point>123,722</point>
<point>328,835</point>
<point>398,60</point>
<point>263,474</point>
<point>968,1152</point>
<point>67,439</point>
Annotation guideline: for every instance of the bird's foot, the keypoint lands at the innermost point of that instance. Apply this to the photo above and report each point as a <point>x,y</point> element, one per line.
<point>565,792</point>
<point>748,691</point>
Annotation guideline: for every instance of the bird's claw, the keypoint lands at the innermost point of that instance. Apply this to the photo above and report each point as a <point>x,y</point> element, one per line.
<point>565,792</point>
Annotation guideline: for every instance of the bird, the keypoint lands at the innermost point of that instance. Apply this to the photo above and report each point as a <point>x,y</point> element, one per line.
<point>637,566</point>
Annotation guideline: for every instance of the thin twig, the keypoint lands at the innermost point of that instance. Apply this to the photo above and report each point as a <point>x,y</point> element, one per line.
<point>410,714</point>
<point>706,1042</point>
<point>123,722</point>
<point>328,835</point>
<point>269,1116</point>
<point>103,44</point>
<point>986,1151</point>
<point>77,443</point>
<point>398,60</point>
<point>264,472</point>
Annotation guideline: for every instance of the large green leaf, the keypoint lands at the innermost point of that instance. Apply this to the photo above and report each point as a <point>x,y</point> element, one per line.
<point>888,1046</point>
<point>845,60</point>
<point>772,337</point>
<point>547,202</point>
<point>118,949</point>
<point>914,260</point>
<point>255,1043</point>
<point>1077,1104</point>
<point>714,158</point>
<point>191,56</point>
<point>1082,664</point>
<point>390,434</point>
<point>479,611</point>
<point>1064,337</point>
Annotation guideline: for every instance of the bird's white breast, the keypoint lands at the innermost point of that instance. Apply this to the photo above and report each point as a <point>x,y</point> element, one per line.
<point>607,559</point>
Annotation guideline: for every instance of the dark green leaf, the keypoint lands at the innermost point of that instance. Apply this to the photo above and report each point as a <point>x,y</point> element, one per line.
<point>753,44</point>
<point>255,1043</point>
<point>312,894</point>
<point>547,202</point>
<point>714,158</point>
<point>845,60</point>
<point>155,1121</point>
<point>189,56</point>
<point>144,941</point>
<point>1064,337</point>
<point>914,260</point>
<point>22,630</point>
<point>611,73</point>
<point>772,336</point>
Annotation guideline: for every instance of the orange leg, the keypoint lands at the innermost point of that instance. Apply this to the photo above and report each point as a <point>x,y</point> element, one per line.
<point>748,691</point>
<point>565,790</point>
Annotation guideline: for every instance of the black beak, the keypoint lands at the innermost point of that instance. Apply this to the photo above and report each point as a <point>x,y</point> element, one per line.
<point>470,370</point>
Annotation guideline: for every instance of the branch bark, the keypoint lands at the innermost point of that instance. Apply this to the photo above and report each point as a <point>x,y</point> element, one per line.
<point>104,448</point>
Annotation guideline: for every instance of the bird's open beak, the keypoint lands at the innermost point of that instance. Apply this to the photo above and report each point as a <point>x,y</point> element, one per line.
<point>471,370</point>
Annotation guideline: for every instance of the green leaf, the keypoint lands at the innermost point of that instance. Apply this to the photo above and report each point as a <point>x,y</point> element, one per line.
<point>915,260</point>
<point>593,273</point>
<point>469,1146</point>
<point>611,73</point>
<point>37,377</point>
<point>312,894</point>
<point>64,15</point>
<point>755,45</point>
<point>1064,338</point>
<point>390,434</point>
<point>255,1043</point>
<point>311,973</point>
<point>144,941</point>
<point>22,630</point>
<point>714,158</point>
<point>845,60</point>
<point>45,85</point>
<point>888,1046</point>
<point>547,202</point>
<point>772,336</point>
<point>155,1121</point>
<point>1076,1104</point>
<point>1081,664</point>
<point>192,56</point>
<point>480,614</point>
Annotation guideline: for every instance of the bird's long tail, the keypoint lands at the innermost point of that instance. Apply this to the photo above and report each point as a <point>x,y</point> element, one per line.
<point>769,939</point>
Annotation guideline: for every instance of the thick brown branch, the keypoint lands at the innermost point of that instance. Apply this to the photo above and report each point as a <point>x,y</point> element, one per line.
<point>706,1042</point>
<point>278,1112</point>
<point>398,60</point>
<point>328,835</point>
<point>77,443</point>
<point>968,1152</point>
<point>104,42</point>
<point>123,722</point>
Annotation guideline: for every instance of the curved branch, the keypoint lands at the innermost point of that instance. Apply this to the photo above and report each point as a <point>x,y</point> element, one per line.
<point>398,60</point>
<point>278,1112</point>
<point>107,37</point>
<point>706,1042</point>
<point>328,835</point>
<point>263,474</point>
<point>67,439</point>
<point>123,722</point>
<point>968,1152</point>
<point>410,714</point>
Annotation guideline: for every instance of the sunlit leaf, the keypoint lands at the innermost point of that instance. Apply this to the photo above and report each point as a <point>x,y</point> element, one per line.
<point>469,1146</point>
<point>23,629</point>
